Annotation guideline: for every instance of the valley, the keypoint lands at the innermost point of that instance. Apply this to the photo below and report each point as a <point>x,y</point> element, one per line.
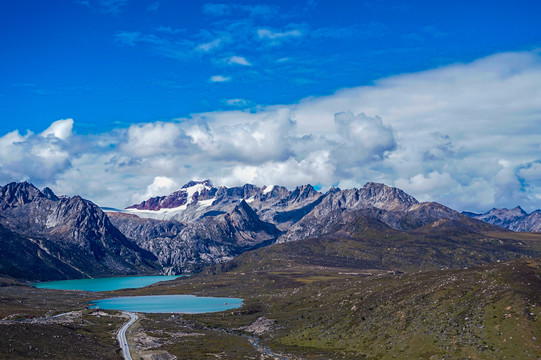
<point>347,274</point>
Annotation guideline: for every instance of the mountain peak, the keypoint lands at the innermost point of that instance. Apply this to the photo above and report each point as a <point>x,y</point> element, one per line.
<point>387,197</point>
<point>245,209</point>
<point>192,183</point>
<point>189,193</point>
<point>15,194</point>
<point>49,194</point>
<point>518,209</point>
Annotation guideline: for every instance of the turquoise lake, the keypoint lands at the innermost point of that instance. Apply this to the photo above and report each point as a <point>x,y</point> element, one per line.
<point>105,284</point>
<point>187,304</point>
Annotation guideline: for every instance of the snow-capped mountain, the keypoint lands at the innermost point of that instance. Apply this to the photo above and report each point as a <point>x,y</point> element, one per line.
<point>193,226</point>
<point>199,199</point>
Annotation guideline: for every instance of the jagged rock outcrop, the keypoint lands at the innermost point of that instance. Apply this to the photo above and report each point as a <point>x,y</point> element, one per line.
<point>201,224</point>
<point>199,199</point>
<point>74,232</point>
<point>515,219</point>
<point>143,229</point>
<point>299,214</point>
<point>212,239</point>
<point>387,203</point>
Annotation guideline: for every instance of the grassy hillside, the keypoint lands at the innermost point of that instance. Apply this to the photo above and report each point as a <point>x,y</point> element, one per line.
<point>487,312</point>
<point>371,245</point>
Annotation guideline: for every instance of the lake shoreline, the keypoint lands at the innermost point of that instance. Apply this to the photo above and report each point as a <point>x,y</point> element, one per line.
<point>105,283</point>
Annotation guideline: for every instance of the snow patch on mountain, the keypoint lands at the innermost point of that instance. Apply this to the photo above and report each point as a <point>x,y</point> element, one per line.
<point>206,203</point>
<point>195,189</point>
<point>161,214</point>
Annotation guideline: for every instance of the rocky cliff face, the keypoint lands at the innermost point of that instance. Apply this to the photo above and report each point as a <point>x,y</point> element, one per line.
<point>220,223</point>
<point>387,203</point>
<point>199,199</point>
<point>212,239</point>
<point>74,232</point>
<point>515,219</point>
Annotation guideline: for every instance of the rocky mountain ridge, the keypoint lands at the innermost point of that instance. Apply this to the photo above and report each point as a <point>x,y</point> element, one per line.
<point>200,225</point>
<point>189,247</point>
<point>264,215</point>
<point>515,219</point>
<point>198,199</point>
<point>70,237</point>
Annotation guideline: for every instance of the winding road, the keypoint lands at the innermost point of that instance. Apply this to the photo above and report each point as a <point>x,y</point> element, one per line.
<point>121,336</point>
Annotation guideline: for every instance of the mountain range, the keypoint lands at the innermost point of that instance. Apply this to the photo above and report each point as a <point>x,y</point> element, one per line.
<point>515,219</point>
<point>46,236</point>
<point>193,227</point>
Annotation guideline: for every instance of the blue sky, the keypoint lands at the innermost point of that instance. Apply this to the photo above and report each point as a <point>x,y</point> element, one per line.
<point>150,94</point>
<point>112,61</point>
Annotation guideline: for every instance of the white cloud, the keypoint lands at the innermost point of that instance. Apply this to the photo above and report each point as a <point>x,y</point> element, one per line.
<point>466,135</point>
<point>262,138</point>
<point>60,129</point>
<point>423,186</point>
<point>37,158</point>
<point>237,102</point>
<point>211,45</point>
<point>220,78</point>
<point>317,167</point>
<point>362,138</point>
<point>153,138</point>
<point>278,35</point>
<point>161,185</point>
<point>238,60</point>
<point>459,120</point>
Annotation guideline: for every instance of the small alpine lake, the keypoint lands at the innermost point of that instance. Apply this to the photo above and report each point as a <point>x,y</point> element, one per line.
<point>105,284</point>
<point>186,304</point>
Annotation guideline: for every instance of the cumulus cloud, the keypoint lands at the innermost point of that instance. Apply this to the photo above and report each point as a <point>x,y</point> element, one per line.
<point>261,139</point>
<point>60,129</point>
<point>161,185</point>
<point>317,167</point>
<point>362,138</point>
<point>425,185</point>
<point>36,157</point>
<point>465,135</point>
<point>461,120</point>
<point>153,138</point>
